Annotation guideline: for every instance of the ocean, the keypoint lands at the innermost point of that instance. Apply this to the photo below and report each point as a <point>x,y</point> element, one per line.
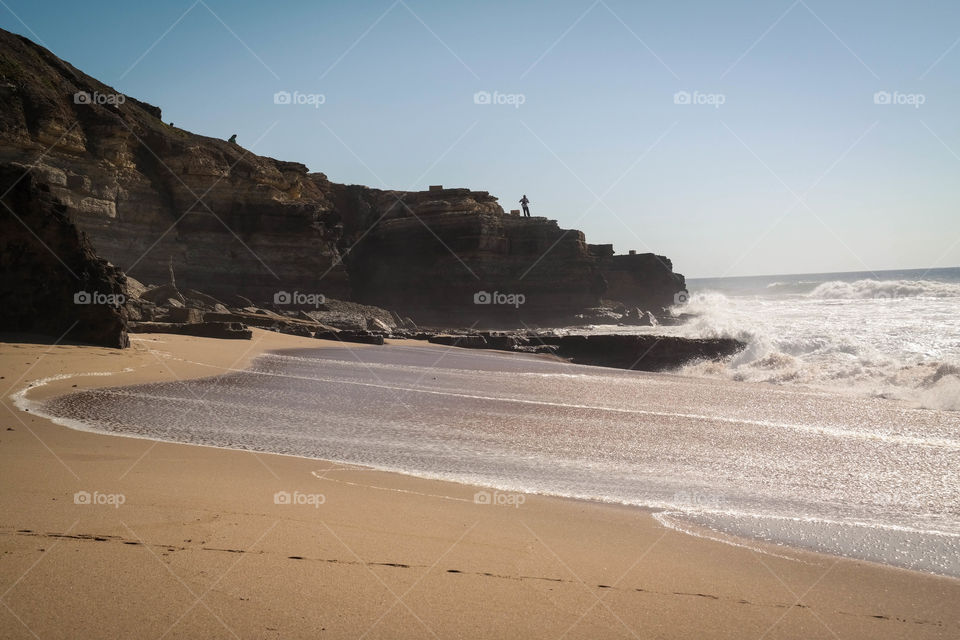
<point>891,334</point>
<point>835,431</point>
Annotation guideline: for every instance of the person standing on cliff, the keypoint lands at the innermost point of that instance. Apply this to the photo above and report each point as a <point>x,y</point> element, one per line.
<point>523,203</point>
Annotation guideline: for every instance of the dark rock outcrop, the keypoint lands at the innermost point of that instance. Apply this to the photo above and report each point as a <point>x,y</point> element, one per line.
<point>462,261</point>
<point>466,341</point>
<point>51,281</point>
<point>636,352</point>
<point>226,330</point>
<point>360,337</point>
<point>643,280</point>
<point>641,352</point>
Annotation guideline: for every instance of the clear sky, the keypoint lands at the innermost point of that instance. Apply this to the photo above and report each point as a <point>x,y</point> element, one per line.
<point>780,162</point>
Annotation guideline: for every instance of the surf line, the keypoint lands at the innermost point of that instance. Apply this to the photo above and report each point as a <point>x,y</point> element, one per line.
<point>939,443</point>
<point>663,518</point>
<point>324,477</point>
<point>20,400</point>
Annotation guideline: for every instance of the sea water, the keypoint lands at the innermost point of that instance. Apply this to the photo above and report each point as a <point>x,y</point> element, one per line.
<point>893,334</point>
<point>851,474</point>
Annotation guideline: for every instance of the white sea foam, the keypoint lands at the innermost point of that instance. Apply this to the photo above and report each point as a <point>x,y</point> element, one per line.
<point>896,339</point>
<point>885,289</point>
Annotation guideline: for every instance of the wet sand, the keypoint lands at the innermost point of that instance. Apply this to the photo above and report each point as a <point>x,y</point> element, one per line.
<point>859,477</point>
<point>200,548</point>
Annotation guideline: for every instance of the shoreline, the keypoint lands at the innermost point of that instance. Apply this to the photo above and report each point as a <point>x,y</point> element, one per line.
<point>719,566</point>
<point>687,526</point>
<point>681,522</point>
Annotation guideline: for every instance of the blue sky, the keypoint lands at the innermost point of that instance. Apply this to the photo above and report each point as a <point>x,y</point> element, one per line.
<point>799,170</point>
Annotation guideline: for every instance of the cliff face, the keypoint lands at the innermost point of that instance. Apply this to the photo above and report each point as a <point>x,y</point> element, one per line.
<point>146,192</point>
<point>51,281</point>
<point>452,256</point>
<point>642,280</point>
<point>232,222</point>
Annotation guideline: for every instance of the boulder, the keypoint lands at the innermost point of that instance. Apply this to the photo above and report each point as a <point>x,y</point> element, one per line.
<point>133,288</point>
<point>183,314</point>
<point>466,341</point>
<point>160,295</point>
<point>227,330</point>
<point>301,330</point>
<point>376,324</point>
<point>361,337</point>
<point>224,330</point>
<point>200,300</point>
<point>503,341</point>
<point>140,310</point>
<point>327,334</point>
<point>236,300</point>
<point>639,318</point>
<point>155,327</point>
<point>598,315</point>
<point>549,349</point>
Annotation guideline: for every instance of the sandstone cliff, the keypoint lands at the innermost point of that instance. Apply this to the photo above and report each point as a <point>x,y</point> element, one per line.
<point>453,256</point>
<point>643,280</point>
<point>51,281</point>
<point>234,223</point>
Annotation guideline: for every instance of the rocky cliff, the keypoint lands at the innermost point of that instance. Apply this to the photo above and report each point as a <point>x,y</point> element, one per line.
<point>148,194</point>
<point>453,256</point>
<point>643,280</point>
<point>51,281</point>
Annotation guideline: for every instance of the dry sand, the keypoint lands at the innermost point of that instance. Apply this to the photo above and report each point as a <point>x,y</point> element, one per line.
<point>199,548</point>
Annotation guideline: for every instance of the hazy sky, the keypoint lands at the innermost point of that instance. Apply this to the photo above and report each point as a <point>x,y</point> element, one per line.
<point>781,161</point>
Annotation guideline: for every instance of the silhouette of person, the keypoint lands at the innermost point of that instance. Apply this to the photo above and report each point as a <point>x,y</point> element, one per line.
<point>523,203</point>
<point>233,139</point>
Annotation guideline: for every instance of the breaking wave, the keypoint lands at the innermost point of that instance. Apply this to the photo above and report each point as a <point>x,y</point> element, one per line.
<point>792,286</point>
<point>891,339</point>
<point>884,289</point>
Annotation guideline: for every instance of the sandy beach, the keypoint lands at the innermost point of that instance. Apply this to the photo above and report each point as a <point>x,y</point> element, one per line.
<point>188,541</point>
